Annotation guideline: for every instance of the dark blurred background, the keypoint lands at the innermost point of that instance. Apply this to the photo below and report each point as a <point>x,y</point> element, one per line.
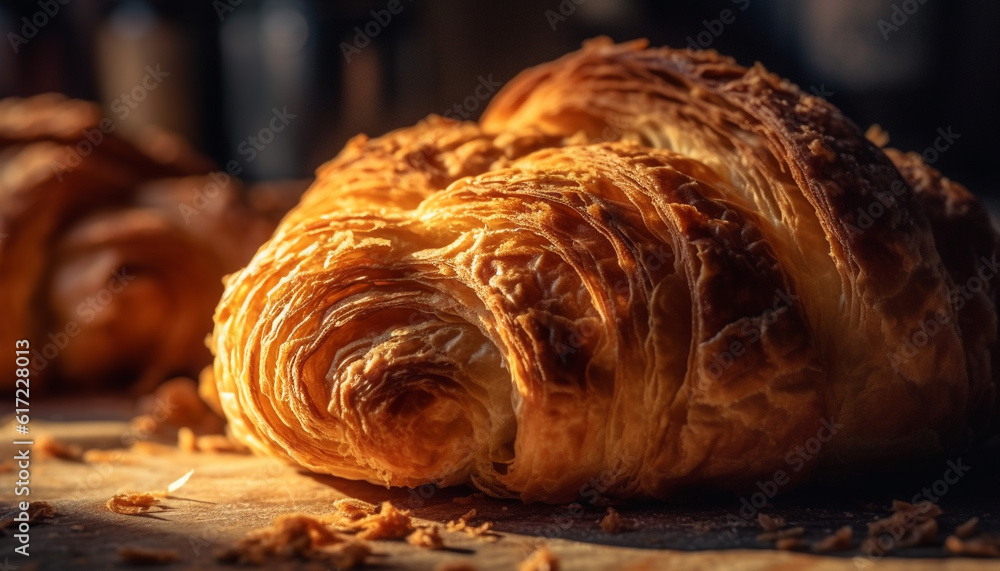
<point>217,70</point>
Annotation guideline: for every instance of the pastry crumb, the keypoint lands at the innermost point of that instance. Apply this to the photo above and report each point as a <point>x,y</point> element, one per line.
<point>354,509</point>
<point>483,531</point>
<point>877,135</point>
<point>426,537</point>
<point>462,522</point>
<point>186,440</point>
<point>48,447</point>
<point>389,523</point>
<point>541,560</point>
<point>297,536</point>
<point>839,540</point>
<point>132,503</point>
<point>40,510</point>
<point>770,523</point>
<point>788,532</point>
<point>146,556</point>
<point>981,546</point>
<point>968,529</point>
<point>917,521</point>
<point>612,522</point>
<point>37,511</point>
<point>790,544</point>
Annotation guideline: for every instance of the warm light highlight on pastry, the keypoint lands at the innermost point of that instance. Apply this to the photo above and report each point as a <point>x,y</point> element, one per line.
<point>643,267</point>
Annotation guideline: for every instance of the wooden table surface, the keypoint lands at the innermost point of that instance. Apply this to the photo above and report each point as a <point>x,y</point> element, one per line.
<point>230,494</point>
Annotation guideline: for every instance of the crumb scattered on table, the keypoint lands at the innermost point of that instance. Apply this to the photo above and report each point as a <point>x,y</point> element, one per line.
<point>770,523</point>
<point>980,546</point>
<point>786,533</point>
<point>37,511</point>
<point>482,531</point>
<point>297,536</point>
<point>47,446</point>
<point>839,540</point>
<point>968,529</point>
<point>790,544</point>
<point>541,560</point>
<point>426,537</point>
<point>916,520</point>
<point>186,440</point>
<point>612,522</point>
<point>132,503</point>
<point>354,509</point>
<point>389,523</point>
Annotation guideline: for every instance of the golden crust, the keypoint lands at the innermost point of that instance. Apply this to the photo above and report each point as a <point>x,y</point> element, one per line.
<point>650,269</point>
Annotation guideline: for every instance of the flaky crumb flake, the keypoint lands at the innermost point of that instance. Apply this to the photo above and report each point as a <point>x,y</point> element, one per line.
<point>612,522</point>
<point>297,536</point>
<point>541,560</point>
<point>389,523</point>
<point>132,503</point>
<point>426,537</point>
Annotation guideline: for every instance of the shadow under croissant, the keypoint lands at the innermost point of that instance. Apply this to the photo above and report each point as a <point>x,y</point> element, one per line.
<point>717,521</point>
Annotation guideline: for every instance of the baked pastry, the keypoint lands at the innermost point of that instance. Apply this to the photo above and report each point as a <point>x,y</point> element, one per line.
<point>113,251</point>
<point>643,271</point>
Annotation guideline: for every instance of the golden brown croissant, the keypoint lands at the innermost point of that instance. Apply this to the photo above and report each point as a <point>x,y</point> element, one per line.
<point>109,270</point>
<point>647,268</point>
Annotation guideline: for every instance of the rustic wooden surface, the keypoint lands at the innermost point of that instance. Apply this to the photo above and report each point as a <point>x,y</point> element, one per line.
<point>230,494</point>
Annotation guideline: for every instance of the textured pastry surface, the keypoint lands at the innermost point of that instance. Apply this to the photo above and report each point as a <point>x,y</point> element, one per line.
<point>113,250</point>
<point>643,270</point>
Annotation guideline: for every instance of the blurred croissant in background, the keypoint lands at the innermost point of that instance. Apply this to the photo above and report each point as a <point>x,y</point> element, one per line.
<point>111,251</point>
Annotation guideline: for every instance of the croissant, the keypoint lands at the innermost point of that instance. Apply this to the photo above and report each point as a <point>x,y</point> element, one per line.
<point>110,270</point>
<point>644,271</point>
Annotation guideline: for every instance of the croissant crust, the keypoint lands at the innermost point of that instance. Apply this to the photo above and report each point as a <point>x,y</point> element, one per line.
<point>651,269</point>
